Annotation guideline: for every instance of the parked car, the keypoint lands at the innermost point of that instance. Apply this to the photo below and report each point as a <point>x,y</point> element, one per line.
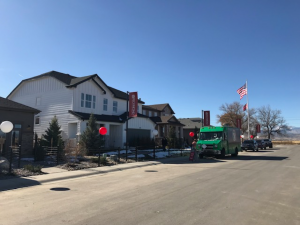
<point>269,143</point>
<point>250,145</point>
<point>261,144</point>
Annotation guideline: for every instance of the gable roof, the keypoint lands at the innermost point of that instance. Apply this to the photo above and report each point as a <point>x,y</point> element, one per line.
<point>191,123</point>
<point>7,104</point>
<point>72,81</point>
<point>166,120</point>
<point>160,107</point>
<point>120,94</point>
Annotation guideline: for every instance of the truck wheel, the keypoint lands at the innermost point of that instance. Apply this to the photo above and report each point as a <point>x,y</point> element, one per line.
<point>236,153</point>
<point>265,148</point>
<point>222,153</point>
<point>271,146</point>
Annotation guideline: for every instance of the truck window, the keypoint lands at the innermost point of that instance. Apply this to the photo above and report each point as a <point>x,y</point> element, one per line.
<point>211,136</point>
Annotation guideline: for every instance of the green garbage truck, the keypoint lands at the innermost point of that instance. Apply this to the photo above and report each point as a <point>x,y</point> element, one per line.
<point>218,141</point>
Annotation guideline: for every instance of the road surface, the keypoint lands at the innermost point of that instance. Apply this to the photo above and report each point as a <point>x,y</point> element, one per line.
<point>253,188</point>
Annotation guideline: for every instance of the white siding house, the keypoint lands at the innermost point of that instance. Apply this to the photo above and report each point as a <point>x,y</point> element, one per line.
<point>73,99</point>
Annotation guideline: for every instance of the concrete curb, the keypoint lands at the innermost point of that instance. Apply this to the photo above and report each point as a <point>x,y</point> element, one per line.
<point>21,182</point>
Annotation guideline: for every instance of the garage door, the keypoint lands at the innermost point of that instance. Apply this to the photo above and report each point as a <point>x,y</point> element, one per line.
<point>138,137</point>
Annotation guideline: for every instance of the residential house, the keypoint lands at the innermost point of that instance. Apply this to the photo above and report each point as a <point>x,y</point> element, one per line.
<point>163,116</point>
<point>191,125</point>
<point>72,99</point>
<point>22,118</point>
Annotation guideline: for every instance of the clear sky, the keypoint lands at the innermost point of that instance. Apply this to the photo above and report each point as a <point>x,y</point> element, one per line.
<point>193,55</point>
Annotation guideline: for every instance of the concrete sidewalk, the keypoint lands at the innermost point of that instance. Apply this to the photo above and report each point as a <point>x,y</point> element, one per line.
<point>56,174</point>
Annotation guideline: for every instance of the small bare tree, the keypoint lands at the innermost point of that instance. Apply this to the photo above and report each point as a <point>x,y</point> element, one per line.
<point>271,121</point>
<point>233,111</point>
<point>73,151</point>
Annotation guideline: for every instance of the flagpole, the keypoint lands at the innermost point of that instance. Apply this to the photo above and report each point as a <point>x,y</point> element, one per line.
<point>248,111</point>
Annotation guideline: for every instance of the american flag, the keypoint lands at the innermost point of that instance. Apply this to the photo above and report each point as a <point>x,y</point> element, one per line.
<point>242,91</point>
<point>245,107</point>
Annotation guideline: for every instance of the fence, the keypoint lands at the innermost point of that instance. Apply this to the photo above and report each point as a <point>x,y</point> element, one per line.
<point>53,154</point>
<point>139,153</point>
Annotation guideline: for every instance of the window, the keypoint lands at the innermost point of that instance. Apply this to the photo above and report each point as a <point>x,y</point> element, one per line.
<point>138,108</point>
<point>150,113</point>
<point>115,106</point>
<point>37,120</point>
<point>105,102</point>
<point>82,100</point>
<point>17,126</point>
<point>94,101</point>
<point>38,101</point>
<point>144,112</point>
<point>155,113</point>
<point>88,101</point>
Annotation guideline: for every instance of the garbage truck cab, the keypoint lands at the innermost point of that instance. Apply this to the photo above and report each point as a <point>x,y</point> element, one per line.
<point>218,141</point>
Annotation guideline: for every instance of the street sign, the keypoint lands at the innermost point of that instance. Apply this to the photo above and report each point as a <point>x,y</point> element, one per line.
<point>204,146</point>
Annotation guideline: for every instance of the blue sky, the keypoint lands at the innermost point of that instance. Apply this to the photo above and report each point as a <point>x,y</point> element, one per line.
<point>193,55</point>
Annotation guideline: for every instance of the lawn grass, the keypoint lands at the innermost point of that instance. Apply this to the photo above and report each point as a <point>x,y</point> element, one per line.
<point>286,142</point>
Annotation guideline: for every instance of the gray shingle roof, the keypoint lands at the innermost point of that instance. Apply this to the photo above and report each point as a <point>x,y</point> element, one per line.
<point>106,118</point>
<point>160,107</point>
<point>7,104</point>
<point>191,122</point>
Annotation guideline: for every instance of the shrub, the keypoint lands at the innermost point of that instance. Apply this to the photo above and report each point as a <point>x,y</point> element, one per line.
<point>32,168</point>
<point>103,160</point>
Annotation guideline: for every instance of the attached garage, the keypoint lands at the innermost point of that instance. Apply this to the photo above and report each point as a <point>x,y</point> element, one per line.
<point>139,137</point>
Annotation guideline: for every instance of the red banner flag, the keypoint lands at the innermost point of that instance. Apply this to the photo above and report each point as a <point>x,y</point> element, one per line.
<point>245,107</point>
<point>258,128</point>
<point>238,123</point>
<point>133,104</point>
<point>242,91</point>
<point>206,118</point>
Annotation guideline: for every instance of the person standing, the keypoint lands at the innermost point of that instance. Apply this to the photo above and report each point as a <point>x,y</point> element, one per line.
<point>196,157</point>
<point>164,143</point>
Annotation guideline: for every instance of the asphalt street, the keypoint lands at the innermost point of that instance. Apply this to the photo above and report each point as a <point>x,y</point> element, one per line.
<point>254,188</point>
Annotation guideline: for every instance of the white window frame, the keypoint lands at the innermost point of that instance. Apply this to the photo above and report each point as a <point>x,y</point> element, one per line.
<point>115,106</point>
<point>105,104</point>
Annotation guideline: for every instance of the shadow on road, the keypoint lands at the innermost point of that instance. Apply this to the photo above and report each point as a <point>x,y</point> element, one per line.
<point>15,183</point>
<point>256,157</point>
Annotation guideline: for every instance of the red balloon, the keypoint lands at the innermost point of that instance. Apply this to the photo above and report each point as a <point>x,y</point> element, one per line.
<point>251,136</point>
<point>192,134</point>
<point>102,130</point>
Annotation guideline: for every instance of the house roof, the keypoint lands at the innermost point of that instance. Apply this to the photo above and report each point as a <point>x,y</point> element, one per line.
<point>166,120</point>
<point>160,107</point>
<point>107,118</point>
<point>191,123</point>
<point>120,94</point>
<point>72,81</point>
<point>7,104</point>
